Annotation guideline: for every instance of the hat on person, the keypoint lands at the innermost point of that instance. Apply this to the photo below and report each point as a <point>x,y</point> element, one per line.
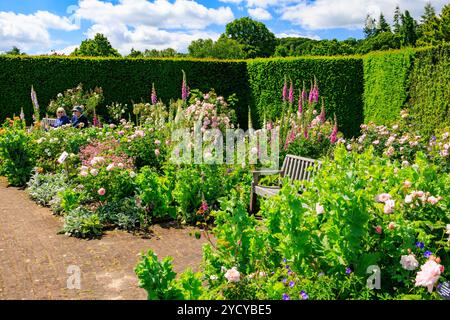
<point>78,108</point>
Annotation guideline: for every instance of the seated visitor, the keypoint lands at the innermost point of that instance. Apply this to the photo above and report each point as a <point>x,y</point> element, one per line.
<point>62,118</point>
<point>79,120</point>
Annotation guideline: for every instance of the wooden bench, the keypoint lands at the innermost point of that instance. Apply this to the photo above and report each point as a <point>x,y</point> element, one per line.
<point>294,167</point>
<point>49,121</point>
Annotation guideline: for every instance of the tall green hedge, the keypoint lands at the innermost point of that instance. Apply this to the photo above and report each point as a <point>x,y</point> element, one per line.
<point>122,80</point>
<point>386,85</point>
<point>340,82</point>
<point>430,89</point>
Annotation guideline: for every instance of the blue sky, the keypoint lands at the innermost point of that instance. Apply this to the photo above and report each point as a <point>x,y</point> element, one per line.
<point>38,27</point>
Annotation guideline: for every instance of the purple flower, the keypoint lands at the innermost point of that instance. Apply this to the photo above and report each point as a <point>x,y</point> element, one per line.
<point>291,284</point>
<point>154,97</point>
<point>300,105</point>
<point>184,88</point>
<point>286,296</point>
<point>427,254</point>
<point>288,267</point>
<point>304,295</point>
<point>333,136</point>
<point>284,260</point>
<point>291,93</point>
<point>348,270</point>
<point>420,245</point>
<point>285,94</point>
<point>284,280</point>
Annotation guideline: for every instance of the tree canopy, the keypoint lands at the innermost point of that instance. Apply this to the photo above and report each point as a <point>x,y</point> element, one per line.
<point>97,47</point>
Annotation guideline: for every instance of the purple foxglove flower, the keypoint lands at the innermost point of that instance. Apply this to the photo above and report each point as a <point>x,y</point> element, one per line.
<point>285,94</point>
<point>322,113</point>
<point>34,99</point>
<point>291,93</point>
<point>300,105</point>
<point>154,97</point>
<point>184,88</point>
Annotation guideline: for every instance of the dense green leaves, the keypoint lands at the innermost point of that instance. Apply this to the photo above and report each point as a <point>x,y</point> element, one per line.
<point>340,81</point>
<point>386,85</point>
<point>430,94</point>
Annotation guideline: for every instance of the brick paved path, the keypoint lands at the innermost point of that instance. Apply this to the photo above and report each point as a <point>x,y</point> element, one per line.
<point>34,258</point>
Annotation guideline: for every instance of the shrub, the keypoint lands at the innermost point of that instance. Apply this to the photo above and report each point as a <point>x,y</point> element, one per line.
<point>51,75</point>
<point>430,97</point>
<point>42,188</point>
<point>340,78</point>
<point>82,223</point>
<point>16,152</point>
<point>126,214</point>
<point>386,85</point>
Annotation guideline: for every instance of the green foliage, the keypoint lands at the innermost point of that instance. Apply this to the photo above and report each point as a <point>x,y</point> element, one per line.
<point>16,152</point>
<point>122,80</point>
<point>430,94</point>
<point>340,80</point>
<point>223,48</point>
<point>386,83</point>
<point>257,39</point>
<point>42,188</point>
<point>288,47</point>
<point>97,47</point>
<point>381,41</point>
<point>126,214</point>
<point>158,278</point>
<point>82,223</point>
<point>435,29</point>
<point>153,53</point>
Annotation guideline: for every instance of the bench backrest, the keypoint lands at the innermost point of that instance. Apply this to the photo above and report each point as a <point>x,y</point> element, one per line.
<point>49,121</point>
<point>295,167</point>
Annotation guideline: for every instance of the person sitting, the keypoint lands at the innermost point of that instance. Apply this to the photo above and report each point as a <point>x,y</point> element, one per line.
<point>62,118</point>
<point>79,120</point>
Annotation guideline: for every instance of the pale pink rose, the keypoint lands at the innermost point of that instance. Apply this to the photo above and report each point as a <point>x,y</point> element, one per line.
<point>419,194</point>
<point>132,174</point>
<point>432,200</point>
<point>405,163</point>
<point>389,206</point>
<point>101,191</point>
<point>112,126</point>
<point>232,275</point>
<point>391,226</point>
<point>121,133</point>
<point>157,142</point>
<point>407,184</point>
<point>110,167</point>
<point>376,142</point>
<point>349,147</point>
<point>140,133</point>
<point>409,199</point>
<point>428,275</point>
<point>84,168</point>
<point>83,173</point>
<point>94,172</point>
<point>409,262</point>
<point>157,152</point>
<point>120,165</point>
<point>383,197</point>
<point>319,208</point>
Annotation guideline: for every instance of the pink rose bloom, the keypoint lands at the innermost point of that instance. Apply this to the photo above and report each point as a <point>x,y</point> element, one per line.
<point>140,133</point>
<point>157,142</point>
<point>319,208</point>
<point>121,133</point>
<point>378,229</point>
<point>428,275</point>
<point>110,167</point>
<point>384,197</point>
<point>419,194</point>
<point>376,142</point>
<point>101,191</point>
<point>407,184</point>
<point>112,126</point>
<point>409,262</point>
<point>433,200</point>
<point>232,275</point>
<point>391,226</point>
<point>389,206</point>
<point>409,199</point>
<point>157,152</point>
<point>83,173</point>
<point>94,172</point>
<point>120,165</point>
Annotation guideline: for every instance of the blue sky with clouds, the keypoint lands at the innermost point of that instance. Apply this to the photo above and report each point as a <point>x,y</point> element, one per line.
<point>40,26</point>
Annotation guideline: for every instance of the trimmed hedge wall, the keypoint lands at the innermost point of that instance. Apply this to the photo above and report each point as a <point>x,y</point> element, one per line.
<point>386,85</point>
<point>122,80</point>
<point>430,89</point>
<point>340,82</point>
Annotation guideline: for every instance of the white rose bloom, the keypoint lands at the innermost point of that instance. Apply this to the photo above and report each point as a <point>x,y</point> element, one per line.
<point>409,262</point>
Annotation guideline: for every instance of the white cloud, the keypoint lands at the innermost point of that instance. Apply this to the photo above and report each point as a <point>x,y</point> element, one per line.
<point>29,32</point>
<point>259,14</point>
<point>181,14</point>
<point>148,37</point>
<point>294,34</point>
<point>348,14</point>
